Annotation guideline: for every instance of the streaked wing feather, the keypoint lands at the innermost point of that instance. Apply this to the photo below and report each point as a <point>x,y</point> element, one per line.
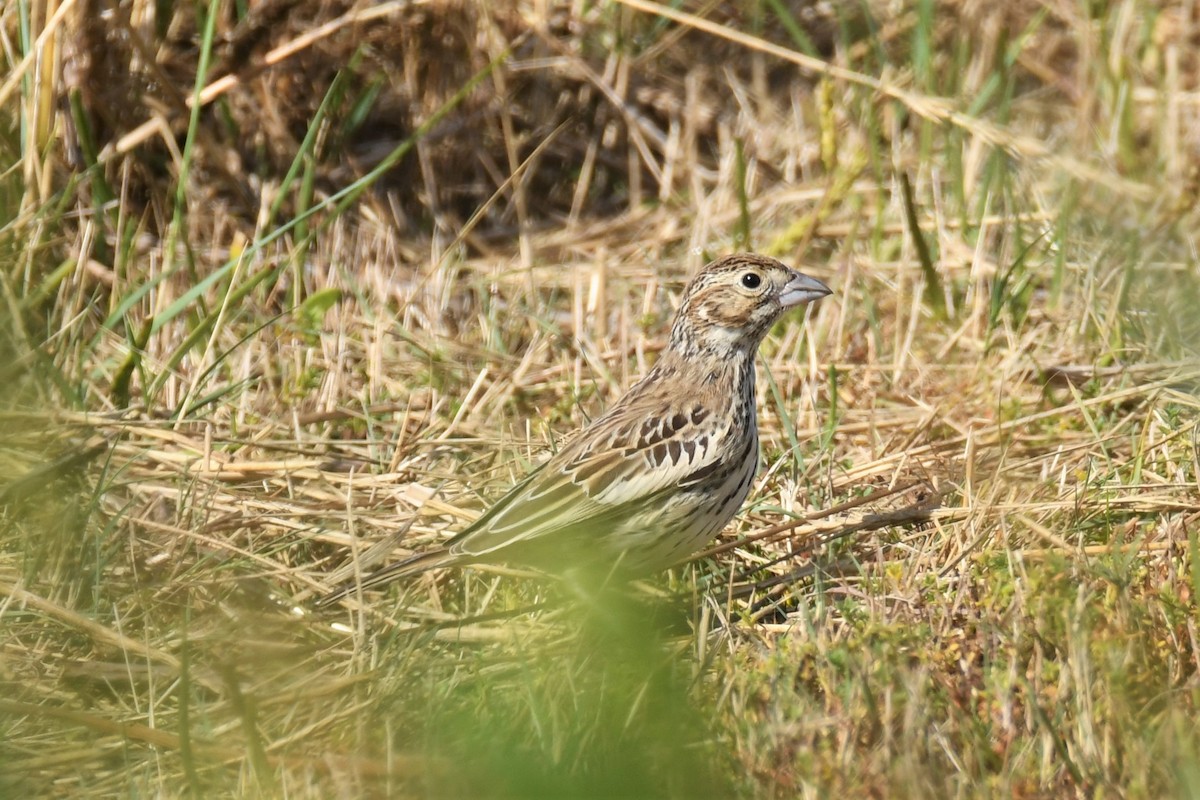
<point>605,475</point>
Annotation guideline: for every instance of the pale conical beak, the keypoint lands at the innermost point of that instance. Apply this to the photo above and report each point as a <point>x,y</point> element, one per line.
<point>801,289</point>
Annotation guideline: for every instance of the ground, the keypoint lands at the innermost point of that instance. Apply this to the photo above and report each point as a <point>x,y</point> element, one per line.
<point>260,336</point>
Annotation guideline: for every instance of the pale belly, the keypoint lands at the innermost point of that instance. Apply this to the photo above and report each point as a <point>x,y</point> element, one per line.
<point>683,525</point>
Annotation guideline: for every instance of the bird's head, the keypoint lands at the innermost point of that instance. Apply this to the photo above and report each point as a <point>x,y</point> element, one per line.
<point>731,304</point>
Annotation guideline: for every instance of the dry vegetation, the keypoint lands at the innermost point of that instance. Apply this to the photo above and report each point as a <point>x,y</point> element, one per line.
<point>262,335</point>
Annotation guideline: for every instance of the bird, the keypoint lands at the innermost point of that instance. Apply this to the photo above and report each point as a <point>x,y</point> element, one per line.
<point>662,472</point>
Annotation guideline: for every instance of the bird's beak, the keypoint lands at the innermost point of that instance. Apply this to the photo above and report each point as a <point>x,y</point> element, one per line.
<point>801,289</point>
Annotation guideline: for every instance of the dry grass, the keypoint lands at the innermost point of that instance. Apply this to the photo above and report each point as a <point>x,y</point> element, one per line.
<point>253,350</point>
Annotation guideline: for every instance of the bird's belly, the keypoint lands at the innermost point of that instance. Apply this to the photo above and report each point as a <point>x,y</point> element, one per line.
<point>681,525</point>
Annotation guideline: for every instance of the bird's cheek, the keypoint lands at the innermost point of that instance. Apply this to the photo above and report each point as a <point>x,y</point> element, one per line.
<point>725,315</point>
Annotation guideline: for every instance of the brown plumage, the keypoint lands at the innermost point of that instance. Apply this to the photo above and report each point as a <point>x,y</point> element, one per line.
<point>664,470</point>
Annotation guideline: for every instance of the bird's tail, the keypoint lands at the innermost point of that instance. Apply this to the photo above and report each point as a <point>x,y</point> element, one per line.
<point>414,565</point>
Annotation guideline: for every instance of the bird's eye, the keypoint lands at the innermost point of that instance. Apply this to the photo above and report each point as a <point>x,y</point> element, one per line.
<point>751,280</point>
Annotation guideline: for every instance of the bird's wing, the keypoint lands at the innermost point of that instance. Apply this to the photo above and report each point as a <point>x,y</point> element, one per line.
<point>607,473</point>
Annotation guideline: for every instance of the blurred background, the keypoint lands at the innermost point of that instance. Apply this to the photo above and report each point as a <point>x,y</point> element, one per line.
<point>292,289</point>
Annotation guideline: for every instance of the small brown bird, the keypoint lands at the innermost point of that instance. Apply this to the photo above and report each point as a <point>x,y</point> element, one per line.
<point>660,474</point>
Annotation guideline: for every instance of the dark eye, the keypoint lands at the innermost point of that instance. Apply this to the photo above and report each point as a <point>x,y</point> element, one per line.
<point>751,280</point>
